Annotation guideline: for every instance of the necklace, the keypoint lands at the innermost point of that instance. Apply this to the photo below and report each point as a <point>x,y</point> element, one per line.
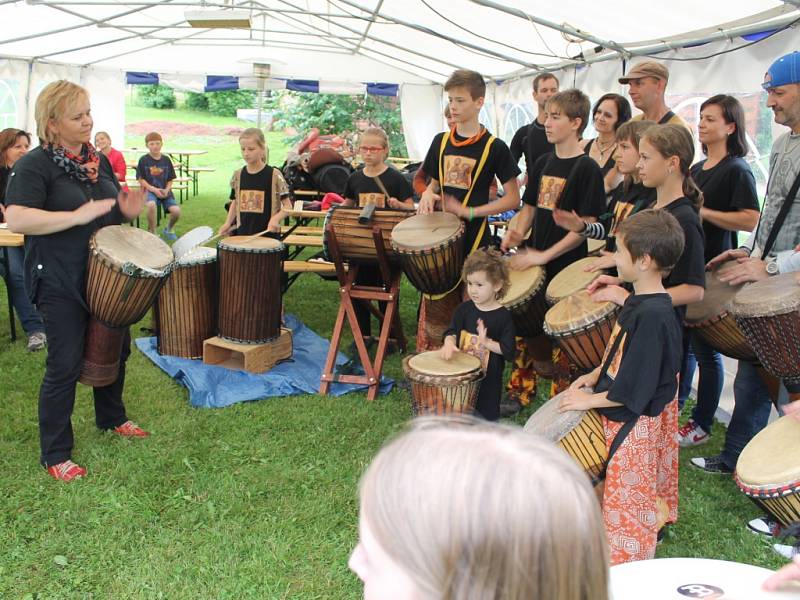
<point>603,151</point>
<point>467,141</point>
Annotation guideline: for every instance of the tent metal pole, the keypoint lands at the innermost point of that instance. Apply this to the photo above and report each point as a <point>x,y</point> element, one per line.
<point>549,24</point>
<point>367,28</point>
<point>187,4</point>
<point>498,55</point>
<point>142,49</point>
<point>28,93</point>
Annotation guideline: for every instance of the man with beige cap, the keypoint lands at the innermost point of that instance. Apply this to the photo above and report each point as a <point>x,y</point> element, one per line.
<point>648,82</point>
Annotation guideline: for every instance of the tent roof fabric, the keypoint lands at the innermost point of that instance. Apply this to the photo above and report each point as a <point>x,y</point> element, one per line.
<point>398,41</point>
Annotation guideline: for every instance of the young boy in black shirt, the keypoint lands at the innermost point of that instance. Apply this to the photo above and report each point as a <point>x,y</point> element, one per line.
<point>155,174</point>
<point>569,180</point>
<point>483,327</point>
<point>637,384</point>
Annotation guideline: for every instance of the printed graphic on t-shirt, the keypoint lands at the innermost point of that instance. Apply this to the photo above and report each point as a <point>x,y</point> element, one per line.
<point>613,368</point>
<point>550,189</point>
<point>622,211</point>
<point>376,198</point>
<point>251,201</point>
<point>155,170</point>
<point>458,171</point>
<point>469,344</point>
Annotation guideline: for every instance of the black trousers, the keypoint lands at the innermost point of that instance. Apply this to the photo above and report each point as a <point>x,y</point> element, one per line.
<point>65,322</point>
<point>368,274</point>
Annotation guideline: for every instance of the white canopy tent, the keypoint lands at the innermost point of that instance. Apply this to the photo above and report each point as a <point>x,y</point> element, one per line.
<point>343,44</point>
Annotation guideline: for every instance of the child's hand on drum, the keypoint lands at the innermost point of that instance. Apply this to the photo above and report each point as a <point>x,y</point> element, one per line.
<point>725,257</point>
<point>605,261</point>
<point>611,293</point>
<point>575,400</point>
<point>448,348</point>
<point>481,327</point>
<point>568,220</point>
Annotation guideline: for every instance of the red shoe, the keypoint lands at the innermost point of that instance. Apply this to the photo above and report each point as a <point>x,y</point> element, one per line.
<point>66,471</point>
<point>131,429</point>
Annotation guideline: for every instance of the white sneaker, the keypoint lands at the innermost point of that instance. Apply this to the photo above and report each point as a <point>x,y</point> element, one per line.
<point>764,526</point>
<point>692,434</point>
<point>786,551</point>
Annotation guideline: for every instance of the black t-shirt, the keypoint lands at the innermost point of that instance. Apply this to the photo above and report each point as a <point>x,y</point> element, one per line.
<point>4,171</point>
<point>691,266</point>
<point>567,183</point>
<point>607,166</point>
<point>531,141</point>
<point>156,172</point>
<point>642,374</point>
<point>363,189</point>
<point>256,205</point>
<point>60,258</point>
<point>458,167</point>
<point>728,186</point>
<point>624,203</point>
<point>500,328</point>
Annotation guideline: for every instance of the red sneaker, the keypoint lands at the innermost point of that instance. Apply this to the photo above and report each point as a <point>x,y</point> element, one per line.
<point>131,429</point>
<point>66,471</point>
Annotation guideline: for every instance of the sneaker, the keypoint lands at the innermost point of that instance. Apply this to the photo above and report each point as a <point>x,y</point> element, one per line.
<point>66,471</point>
<point>712,464</point>
<point>765,526</point>
<point>169,235</point>
<point>692,434</point>
<point>36,341</point>
<point>130,429</point>
<point>786,551</point>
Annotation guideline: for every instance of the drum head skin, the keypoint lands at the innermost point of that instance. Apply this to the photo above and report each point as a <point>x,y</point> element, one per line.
<point>772,296</point>
<point>246,243</point>
<point>576,312</point>
<point>432,363</point>
<point>687,578</point>
<point>426,231</point>
<point>551,424</point>
<point>196,237</point>
<point>771,457</point>
<point>523,284</point>
<point>198,255</point>
<point>716,298</point>
<point>572,279</point>
<point>121,245</point>
<point>595,246</point>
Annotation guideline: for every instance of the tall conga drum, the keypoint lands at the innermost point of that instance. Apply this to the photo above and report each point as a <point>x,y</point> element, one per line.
<point>768,470</point>
<point>579,433</point>
<point>355,241</point>
<point>571,279</point>
<point>710,320</point>
<point>768,312</point>
<point>250,270</point>
<point>525,300</point>
<point>127,267</point>
<point>185,311</point>
<point>582,328</point>
<point>440,386</point>
<point>431,250</point>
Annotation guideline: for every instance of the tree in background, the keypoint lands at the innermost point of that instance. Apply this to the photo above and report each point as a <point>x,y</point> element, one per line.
<point>155,96</point>
<point>337,114</point>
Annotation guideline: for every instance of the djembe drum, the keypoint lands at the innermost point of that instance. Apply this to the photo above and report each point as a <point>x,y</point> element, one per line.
<point>250,270</point>
<point>127,267</point>
<point>582,328</point>
<point>440,386</point>
<point>185,311</point>
<point>525,300</point>
<point>355,241</point>
<point>431,251</point>
<point>571,279</point>
<point>595,247</point>
<point>710,320</point>
<point>768,312</point>
<point>579,433</point>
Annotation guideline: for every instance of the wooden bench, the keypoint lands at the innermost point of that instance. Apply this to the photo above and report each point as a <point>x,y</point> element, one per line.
<point>193,173</point>
<point>300,230</point>
<point>313,241</point>
<point>295,268</point>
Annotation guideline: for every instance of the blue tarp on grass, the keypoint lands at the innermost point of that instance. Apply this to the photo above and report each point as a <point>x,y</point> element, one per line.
<point>217,387</point>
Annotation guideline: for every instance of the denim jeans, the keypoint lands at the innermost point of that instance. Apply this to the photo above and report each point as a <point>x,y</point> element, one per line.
<point>750,412</point>
<point>28,315</point>
<point>709,383</point>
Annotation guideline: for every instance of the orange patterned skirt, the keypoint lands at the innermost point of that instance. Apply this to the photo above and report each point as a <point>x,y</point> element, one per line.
<point>641,486</point>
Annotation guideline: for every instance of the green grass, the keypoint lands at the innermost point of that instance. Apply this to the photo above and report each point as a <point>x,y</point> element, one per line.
<point>253,501</point>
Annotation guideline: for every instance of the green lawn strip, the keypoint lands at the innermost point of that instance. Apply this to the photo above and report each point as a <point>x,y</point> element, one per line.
<point>258,500</point>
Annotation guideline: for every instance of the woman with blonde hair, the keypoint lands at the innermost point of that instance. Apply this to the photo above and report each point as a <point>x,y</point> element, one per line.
<point>259,194</point>
<point>58,195</point>
<point>461,509</point>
